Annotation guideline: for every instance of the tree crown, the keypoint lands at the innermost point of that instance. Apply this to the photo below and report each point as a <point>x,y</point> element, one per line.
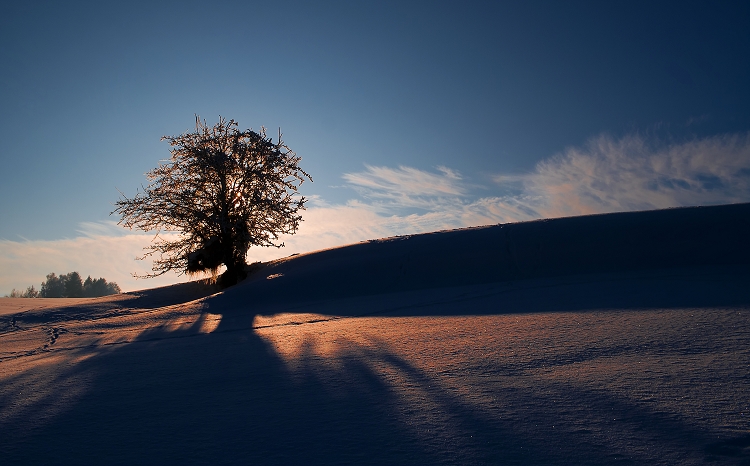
<point>224,190</point>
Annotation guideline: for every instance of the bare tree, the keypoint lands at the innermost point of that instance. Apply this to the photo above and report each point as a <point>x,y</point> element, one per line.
<point>223,190</point>
<point>30,292</point>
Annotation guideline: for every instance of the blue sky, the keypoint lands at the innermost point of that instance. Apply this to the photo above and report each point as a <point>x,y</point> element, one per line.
<point>410,116</point>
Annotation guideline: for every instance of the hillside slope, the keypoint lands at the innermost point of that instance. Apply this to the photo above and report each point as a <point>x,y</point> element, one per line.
<point>608,243</point>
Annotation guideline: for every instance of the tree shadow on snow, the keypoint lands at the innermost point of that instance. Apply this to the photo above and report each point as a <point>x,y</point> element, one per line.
<point>182,396</point>
<point>228,397</point>
<point>224,397</point>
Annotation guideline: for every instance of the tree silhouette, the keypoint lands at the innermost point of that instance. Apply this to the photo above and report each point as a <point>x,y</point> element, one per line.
<point>223,190</point>
<point>54,286</point>
<point>70,285</point>
<point>99,287</point>
<point>74,285</point>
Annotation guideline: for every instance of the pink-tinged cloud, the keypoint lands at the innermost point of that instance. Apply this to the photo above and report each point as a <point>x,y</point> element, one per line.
<point>608,175</point>
<point>26,263</point>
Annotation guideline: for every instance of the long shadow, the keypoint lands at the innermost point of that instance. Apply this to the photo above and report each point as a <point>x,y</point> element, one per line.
<point>555,431</point>
<point>227,397</point>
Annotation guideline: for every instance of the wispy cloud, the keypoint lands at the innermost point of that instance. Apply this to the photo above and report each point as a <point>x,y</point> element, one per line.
<point>104,228</point>
<point>605,175</point>
<point>407,187</point>
<point>631,173</point>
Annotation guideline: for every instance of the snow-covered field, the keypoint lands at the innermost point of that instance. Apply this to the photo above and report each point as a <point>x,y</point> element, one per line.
<point>399,351</point>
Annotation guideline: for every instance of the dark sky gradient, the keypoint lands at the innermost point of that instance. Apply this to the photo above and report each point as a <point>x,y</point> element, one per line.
<point>489,88</point>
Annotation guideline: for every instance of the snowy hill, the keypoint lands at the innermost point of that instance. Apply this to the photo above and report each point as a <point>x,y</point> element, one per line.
<point>605,339</point>
<point>608,243</point>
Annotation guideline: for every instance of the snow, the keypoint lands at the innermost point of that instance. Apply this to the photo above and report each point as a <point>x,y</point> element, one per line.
<point>426,349</point>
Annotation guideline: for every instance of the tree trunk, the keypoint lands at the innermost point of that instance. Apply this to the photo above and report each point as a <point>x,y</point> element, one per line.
<point>235,266</point>
<point>233,274</point>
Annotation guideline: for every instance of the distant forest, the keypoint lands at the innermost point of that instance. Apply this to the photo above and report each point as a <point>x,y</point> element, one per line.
<point>69,285</point>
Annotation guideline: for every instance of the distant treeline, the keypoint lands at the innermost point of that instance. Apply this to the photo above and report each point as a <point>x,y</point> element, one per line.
<point>69,285</point>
